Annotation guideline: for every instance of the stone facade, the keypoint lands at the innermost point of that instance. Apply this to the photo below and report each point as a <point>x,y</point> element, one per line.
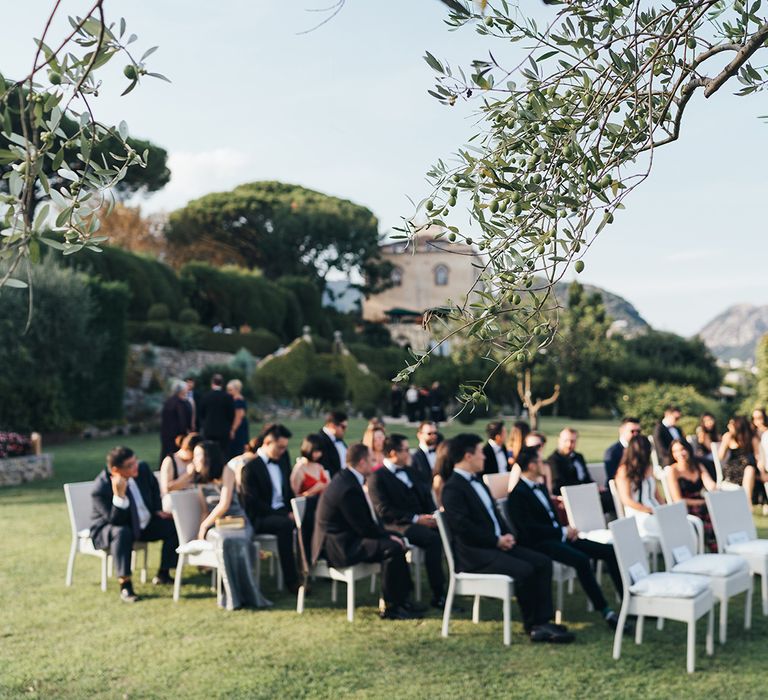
<point>17,470</point>
<point>171,363</point>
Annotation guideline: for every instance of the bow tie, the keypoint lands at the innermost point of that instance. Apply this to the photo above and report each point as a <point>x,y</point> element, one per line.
<point>540,487</point>
<point>339,441</point>
<point>478,479</point>
<point>431,450</point>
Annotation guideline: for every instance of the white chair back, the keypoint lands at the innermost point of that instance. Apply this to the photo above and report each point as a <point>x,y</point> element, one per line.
<point>730,512</point>
<point>445,536</point>
<point>618,506</point>
<point>78,496</point>
<point>299,508</point>
<point>717,463</point>
<point>514,476</point>
<point>668,473</point>
<point>675,531</point>
<point>654,455</point>
<point>498,485</point>
<point>187,514</point>
<point>628,547</point>
<point>582,504</point>
<point>597,472</point>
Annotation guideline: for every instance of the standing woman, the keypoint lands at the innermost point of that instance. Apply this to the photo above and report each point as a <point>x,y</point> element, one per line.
<point>740,455</point>
<point>235,549</point>
<point>238,433</point>
<point>177,471</point>
<point>638,490</point>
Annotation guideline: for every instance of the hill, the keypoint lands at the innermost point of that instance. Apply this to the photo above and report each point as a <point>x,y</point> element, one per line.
<point>734,333</point>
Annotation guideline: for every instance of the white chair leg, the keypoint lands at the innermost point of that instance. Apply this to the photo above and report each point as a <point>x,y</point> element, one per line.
<point>109,566</point>
<point>279,575</point>
<point>133,562</point>
<point>476,610</point>
<point>711,632</point>
<point>723,619</point>
<point>448,607</point>
<point>300,600</point>
<point>144,568</point>
<point>373,583</point>
<point>659,623</point>
<point>506,604</point>
<point>764,589</point>
<point>617,637</point>
<point>691,650</point>
<point>748,607</point>
<point>559,608</point>
<point>104,572</point>
<point>639,629</point>
<point>71,563</point>
<point>417,581</point>
<point>213,579</point>
<point>334,590</point>
<point>351,599</point>
<point>177,579</point>
<point>272,563</point>
<point>570,585</point>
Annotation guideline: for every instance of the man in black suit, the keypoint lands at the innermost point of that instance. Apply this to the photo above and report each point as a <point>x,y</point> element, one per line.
<point>403,502</point>
<point>265,493</point>
<point>495,451</point>
<point>532,513</point>
<point>569,468</point>
<point>332,439</point>
<point>217,411</point>
<point>666,432</point>
<point>127,508</point>
<point>483,543</point>
<point>347,534</point>
<point>424,456</point>
<point>192,400</point>
<point>175,419</point>
<point>630,426</point>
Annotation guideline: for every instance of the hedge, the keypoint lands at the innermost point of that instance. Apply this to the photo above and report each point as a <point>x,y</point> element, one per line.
<point>187,336</point>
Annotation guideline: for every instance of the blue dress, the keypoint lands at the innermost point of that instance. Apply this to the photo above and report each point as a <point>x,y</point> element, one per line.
<point>238,443</point>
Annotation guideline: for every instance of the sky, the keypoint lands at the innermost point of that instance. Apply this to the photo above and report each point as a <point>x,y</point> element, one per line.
<point>344,110</point>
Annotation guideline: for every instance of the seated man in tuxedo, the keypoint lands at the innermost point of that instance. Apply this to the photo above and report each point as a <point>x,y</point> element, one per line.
<point>334,456</point>
<point>424,456</point>
<point>403,502</point>
<point>496,455</point>
<point>484,545</point>
<point>569,468</point>
<point>532,513</point>
<point>265,494</point>
<point>347,534</point>
<point>666,432</point>
<point>126,509</point>
<point>630,426</point>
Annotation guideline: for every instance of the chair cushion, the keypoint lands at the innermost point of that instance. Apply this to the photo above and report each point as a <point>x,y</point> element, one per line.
<point>720,565</point>
<point>195,547</point>
<point>751,547</point>
<point>668,585</point>
<point>603,536</point>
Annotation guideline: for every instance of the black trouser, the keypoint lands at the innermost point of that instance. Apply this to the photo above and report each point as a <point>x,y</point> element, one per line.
<point>429,540</point>
<point>121,541</point>
<point>278,523</point>
<point>395,578</point>
<point>532,572</point>
<point>578,554</point>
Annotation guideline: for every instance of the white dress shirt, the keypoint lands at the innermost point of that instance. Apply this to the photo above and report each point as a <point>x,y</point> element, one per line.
<point>431,455</point>
<point>141,507</point>
<point>673,431</point>
<point>484,497</point>
<point>276,476</point>
<point>501,457</point>
<point>545,502</point>
<point>338,443</point>
<point>581,470</point>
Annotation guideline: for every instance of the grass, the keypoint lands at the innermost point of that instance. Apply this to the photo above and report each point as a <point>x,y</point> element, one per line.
<point>80,643</point>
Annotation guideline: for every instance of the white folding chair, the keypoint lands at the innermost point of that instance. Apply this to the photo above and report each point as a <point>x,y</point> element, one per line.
<point>498,485</point>
<point>655,457</point>
<point>718,464</point>
<point>652,545</point>
<point>478,585</point>
<point>322,569</point>
<point>597,472</point>
<point>682,597</point>
<point>735,533</point>
<point>728,573</point>
<point>79,507</point>
<point>187,516</point>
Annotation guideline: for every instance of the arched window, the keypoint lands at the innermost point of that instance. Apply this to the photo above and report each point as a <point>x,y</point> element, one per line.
<point>397,276</point>
<point>441,275</point>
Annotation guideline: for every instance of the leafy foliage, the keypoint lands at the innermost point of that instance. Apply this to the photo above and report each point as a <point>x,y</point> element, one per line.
<point>648,400</point>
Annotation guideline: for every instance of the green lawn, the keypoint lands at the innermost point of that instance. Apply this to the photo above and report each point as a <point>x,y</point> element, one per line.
<point>80,643</point>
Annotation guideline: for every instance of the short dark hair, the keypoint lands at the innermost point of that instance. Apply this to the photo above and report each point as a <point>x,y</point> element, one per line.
<point>275,431</point>
<point>494,428</point>
<point>394,443</point>
<point>118,456</point>
<point>671,408</point>
<point>629,419</point>
<point>526,456</point>
<point>356,452</point>
<point>336,417</point>
<point>217,380</point>
<point>213,462</point>
<point>311,443</point>
<point>425,423</point>
<point>462,444</point>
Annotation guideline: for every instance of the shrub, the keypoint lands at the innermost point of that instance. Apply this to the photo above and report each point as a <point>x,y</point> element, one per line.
<point>244,361</point>
<point>284,375</point>
<point>189,316</point>
<point>327,388</point>
<point>158,312</point>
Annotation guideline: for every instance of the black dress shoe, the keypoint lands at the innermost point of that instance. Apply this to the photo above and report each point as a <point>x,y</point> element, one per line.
<point>557,627</point>
<point>439,603</point>
<point>128,596</point>
<point>398,612</point>
<point>162,579</point>
<point>412,607</point>
<point>547,633</point>
<point>612,620</point>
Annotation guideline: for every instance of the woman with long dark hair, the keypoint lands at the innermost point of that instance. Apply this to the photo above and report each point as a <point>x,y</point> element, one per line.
<point>443,470</point>
<point>740,455</point>
<point>638,490</point>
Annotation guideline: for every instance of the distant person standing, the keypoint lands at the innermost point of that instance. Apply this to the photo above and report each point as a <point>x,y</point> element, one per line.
<point>436,403</point>
<point>412,399</point>
<point>396,401</point>
<point>334,457</point>
<point>238,433</point>
<point>666,432</point>
<point>175,419</point>
<point>192,400</point>
<point>217,412</point>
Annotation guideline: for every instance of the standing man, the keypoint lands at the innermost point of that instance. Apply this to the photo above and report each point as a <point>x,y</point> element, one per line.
<point>424,456</point>
<point>346,534</point>
<point>483,544</point>
<point>495,451</point>
<point>127,509</point>
<point>403,502</point>
<point>630,426</point>
<point>175,419</point>
<point>412,399</point>
<point>533,514</point>
<point>332,439</point>
<point>265,493</point>
<point>666,432</point>
<point>217,411</point>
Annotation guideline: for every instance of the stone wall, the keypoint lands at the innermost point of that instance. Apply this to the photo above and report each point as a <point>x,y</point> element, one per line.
<point>17,470</point>
<point>172,363</point>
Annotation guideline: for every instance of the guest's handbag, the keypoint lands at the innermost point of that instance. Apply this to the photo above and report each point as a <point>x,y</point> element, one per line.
<point>230,522</point>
